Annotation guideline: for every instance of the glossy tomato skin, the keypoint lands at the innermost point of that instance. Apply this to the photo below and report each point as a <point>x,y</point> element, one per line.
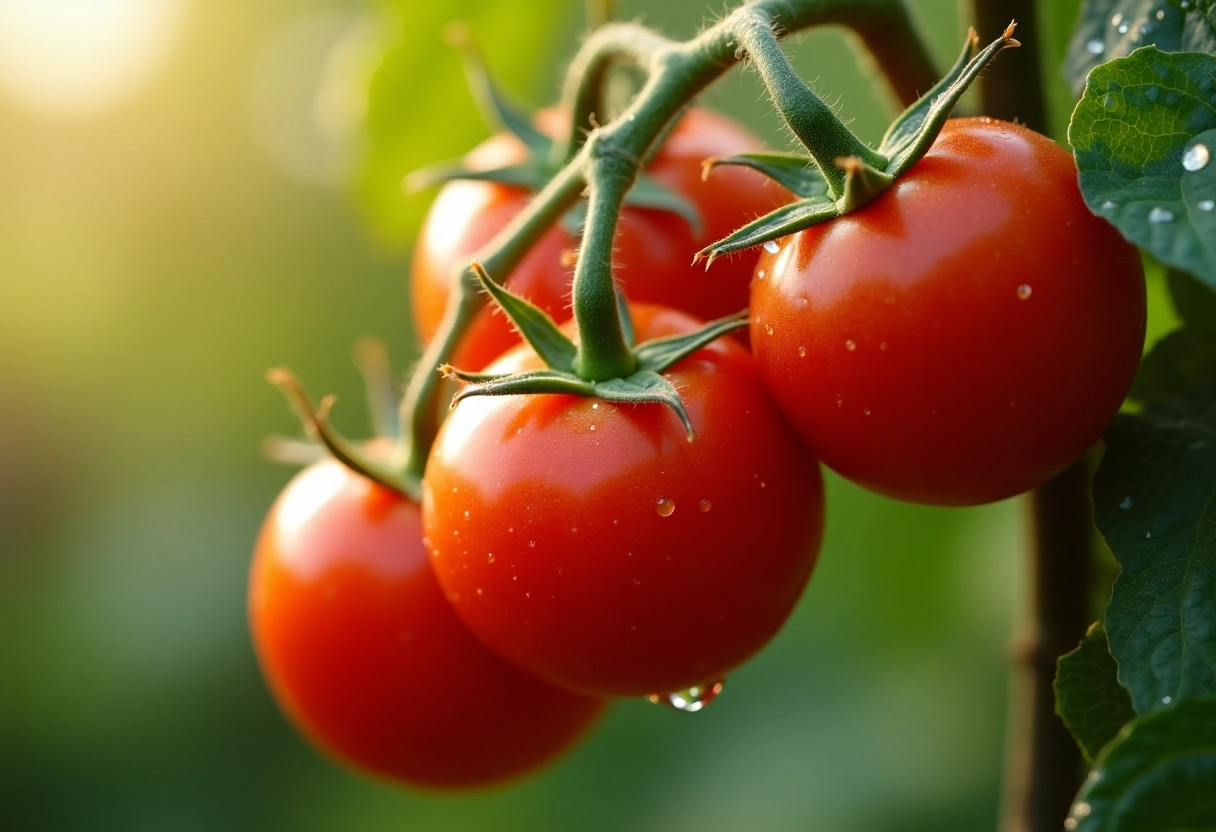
<point>964,337</point>
<point>593,545</point>
<point>368,660</point>
<point>654,249</point>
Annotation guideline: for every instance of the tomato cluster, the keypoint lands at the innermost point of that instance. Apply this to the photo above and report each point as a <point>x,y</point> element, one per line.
<point>960,339</point>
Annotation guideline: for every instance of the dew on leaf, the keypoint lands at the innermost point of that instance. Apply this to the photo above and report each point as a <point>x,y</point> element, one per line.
<point>1196,157</point>
<point>1206,205</point>
<point>1160,215</point>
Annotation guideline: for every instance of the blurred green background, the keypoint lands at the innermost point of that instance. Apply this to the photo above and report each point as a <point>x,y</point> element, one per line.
<point>190,194</point>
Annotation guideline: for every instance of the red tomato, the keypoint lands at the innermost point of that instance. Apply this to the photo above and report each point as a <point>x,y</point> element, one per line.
<point>964,337</point>
<point>592,544</point>
<point>368,660</point>
<point>654,248</point>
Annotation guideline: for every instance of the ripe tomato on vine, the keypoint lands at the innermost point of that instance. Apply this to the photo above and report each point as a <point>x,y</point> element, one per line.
<point>965,336</point>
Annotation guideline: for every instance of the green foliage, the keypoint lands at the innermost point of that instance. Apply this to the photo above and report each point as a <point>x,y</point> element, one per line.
<point>1088,696</point>
<point>1186,358</point>
<point>1108,29</point>
<point>1157,777</point>
<point>1144,134</point>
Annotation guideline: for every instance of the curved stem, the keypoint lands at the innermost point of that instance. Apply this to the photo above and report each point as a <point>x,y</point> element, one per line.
<point>677,72</point>
<point>420,407</point>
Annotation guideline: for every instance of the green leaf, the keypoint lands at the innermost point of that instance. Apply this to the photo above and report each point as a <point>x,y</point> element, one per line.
<point>1160,776</point>
<point>661,353</point>
<point>532,322</point>
<point>531,175</point>
<point>1143,134</point>
<point>1088,697</point>
<point>1186,358</point>
<point>795,172</point>
<point>534,382</point>
<point>1155,503</point>
<point>1109,29</point>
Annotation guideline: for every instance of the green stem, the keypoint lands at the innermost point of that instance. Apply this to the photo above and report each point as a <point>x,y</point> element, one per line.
<point>677,72</point>
<point>420,407</point>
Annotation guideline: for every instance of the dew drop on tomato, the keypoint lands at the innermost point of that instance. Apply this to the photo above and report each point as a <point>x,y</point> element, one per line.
<point>688,701</point>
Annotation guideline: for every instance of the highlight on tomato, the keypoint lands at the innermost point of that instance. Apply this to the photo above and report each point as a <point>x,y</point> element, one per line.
<point>366,658</point>
<point>593,545</point>
<point>965,336</point>
<point>654,247</point>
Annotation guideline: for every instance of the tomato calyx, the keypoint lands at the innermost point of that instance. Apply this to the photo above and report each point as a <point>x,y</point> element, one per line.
<point>544,155</point>
<point>644,384</point>
<point>315,419</point>
<point>830,183</point>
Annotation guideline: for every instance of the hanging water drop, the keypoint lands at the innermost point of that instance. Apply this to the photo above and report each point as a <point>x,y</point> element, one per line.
<point>688,701</point>
<point>1095,47</point>
<point>1196,157</point>
<point>665,506</point>
<point>1160,215</point>
<point>1024,291</point>
<point>1206,205</point>
<point>771,247</point>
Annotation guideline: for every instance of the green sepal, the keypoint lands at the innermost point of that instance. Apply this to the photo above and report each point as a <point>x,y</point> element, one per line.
<point>497,109</point>
<point>907,140</point>
<point>915,130</point>
<point>778,223</point>
<point>795,172</point>
<point>518,384</point>
<point>661,353</point>
<point>641,387</point>
<point>622,311</point>
<point>315,419</point>
<point>645,387</point>
<point>531,175</point>
<point>532,322</point>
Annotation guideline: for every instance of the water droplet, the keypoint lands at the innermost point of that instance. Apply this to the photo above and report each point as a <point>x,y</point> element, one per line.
<point>1148,535</point>
<point>705,506</point>
<point>591,428</point>
<point>839,400</point>
<point>665,506</point>
<point>1160,15</point>
<point>1095,47</point>
<point>1109,205</point>
<point>1165,700</point>
<point>1127,503</point>
<point>1206,205</point>
<point>688,701</point>
<point>771,247</point>
<point>1116,20</point>
<point>768,329</point>
<point>1159,215</point>
<point>1122,28</point>
<point>1196,157</point>
<point>637,581</point>
<point>479,590</point>
<point>1024,291</point>
<point>466,512</point>
<point>760,274</point>
<point>801,301</point>
<point>802,352</point>
<point>531,544</point>
<point>1070,825</point>
<point>595,405</point>
<point>527,594</point>
<point>1081,810</point>
<point>866,411</point>
<point>850,345</point>
<point>489,557</point>
<point>763,484</point>
<point>1145,28</point>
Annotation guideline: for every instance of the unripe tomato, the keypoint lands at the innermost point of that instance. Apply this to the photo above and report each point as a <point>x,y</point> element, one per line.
<point>654,248</point>
<point>964,337</point>
<point>595,546</point>
<point>368,660</point>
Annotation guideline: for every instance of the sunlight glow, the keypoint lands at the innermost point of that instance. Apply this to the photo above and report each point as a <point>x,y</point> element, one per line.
<point>72,58</point>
